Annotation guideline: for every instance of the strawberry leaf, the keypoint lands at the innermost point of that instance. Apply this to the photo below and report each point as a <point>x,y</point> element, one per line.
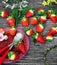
<point>34,40</point>
<point>16,14</point>
<point>19,14</point>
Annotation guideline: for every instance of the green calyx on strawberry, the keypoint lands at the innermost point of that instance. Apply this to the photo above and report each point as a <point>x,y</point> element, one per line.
<point>29,13</point>
<point>41,11</point>
<point>12,55</point>
<point>49,38</point>
<point>11,21</point>
<point>40,27</point>
<point>21,47</point>
<point>4,14</point>
<point>52,30</point>
<point>29,31</point>
<point>38,38</point>
<point>33,21</point>
<point>43,19</point>
<point>24,22</point>
<point>51,11</point>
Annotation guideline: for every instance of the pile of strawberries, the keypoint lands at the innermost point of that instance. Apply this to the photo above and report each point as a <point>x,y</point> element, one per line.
<point>39,23</point>
<point>10,20</point>
<point>12,55</point>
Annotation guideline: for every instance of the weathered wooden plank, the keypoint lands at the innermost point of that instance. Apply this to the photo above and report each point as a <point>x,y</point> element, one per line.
<point>35,56</point>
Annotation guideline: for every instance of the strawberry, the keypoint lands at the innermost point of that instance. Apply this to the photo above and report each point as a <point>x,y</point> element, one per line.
<point>2,30</point>
<point>41,11</point>
<point>29,13</point>
<point>12,55</point>
<point>24,22</point>
<point>11,21</point>
<point>4,14</point>
<point>22,48</point>
<point>12,31</point>
<point>33,21</point>
<point>53,18</point>
<point>38,38</point>
<point>43,19</point>
<point>49,38</point>
<point>50,12</point>
<point>40,28</point>
<point>29,31</point>
<point>52,31</point>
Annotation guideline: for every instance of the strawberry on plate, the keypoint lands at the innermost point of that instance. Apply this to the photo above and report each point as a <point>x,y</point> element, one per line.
<point>21,47</point>
<point>24,22</point>
<point>29,31</point>
<point>49,38</point>
<point>4,14</point>
<point>29,13</point>
<point>2,30</point>
<point>12,31</point>
<point>12,55</point>
<point>33,21</point>
<point>41,11</point>
<point>43,19</point>
<point>38,38</point>
<point>40,27</point>
<point>11,21</point>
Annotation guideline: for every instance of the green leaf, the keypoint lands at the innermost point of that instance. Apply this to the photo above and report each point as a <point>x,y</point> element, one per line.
<point>27,28</point>
<point>16,14</point>
<point>34,40</point>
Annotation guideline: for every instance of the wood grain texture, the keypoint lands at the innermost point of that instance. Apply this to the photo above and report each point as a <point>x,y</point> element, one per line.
<point>35,56</point>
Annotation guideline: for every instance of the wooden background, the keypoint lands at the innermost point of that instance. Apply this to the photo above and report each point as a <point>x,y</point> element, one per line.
<point>35,56</point>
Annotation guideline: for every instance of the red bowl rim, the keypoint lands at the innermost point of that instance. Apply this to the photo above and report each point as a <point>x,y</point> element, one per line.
<point>21,55</point>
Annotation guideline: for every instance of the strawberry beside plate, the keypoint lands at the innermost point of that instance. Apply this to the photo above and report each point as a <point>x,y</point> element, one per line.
<point>26,40</point>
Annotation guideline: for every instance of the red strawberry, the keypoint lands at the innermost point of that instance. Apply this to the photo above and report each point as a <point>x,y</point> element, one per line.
<point>29,31</point>
<point>41,11</point>
<point>24,22</point>
<point>4,14</point>
<point>52,31</point>
<point>12,31</point>
<point>48,14</point>
<point>22,48</point>
<point>11,21</point>
<point>13,56</point>
<point>43,19</point>
<point>33,21</point>
<point>30,13</point>
<point>2,30</point>
<point>40,28</point>
<point>49,38</point>
<point>39,38</point>
<point>53,18</point>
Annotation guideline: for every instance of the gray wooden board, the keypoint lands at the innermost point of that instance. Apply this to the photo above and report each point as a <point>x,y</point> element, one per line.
<point>35,55</point>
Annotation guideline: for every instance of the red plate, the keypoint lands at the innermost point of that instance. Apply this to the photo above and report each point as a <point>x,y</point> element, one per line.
<point>26,40</point>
